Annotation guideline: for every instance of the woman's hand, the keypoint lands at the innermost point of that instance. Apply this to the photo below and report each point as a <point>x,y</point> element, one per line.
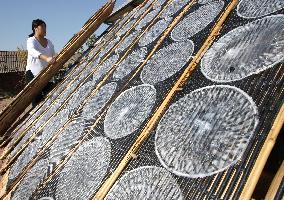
<point>46,58</point>
<point>50,60</point>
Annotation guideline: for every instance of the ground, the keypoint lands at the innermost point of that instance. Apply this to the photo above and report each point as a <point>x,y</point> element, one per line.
<point>4,103</point>
<point>10,85</point>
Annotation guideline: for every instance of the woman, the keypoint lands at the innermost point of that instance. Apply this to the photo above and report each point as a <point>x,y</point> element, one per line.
<point>40,53</point>
<point>40,49</point>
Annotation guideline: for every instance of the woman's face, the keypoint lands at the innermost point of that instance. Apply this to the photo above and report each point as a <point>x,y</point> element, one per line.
<point>41,30</point>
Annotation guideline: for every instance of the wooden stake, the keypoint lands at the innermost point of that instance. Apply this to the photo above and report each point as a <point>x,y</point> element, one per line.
<point>275,183</point>
<point>263,156</point>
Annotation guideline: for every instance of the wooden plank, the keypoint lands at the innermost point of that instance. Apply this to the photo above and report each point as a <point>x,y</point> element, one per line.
<point>125,9</point>
<point>263,156</point>
<point>24,98</point>
<point>275,183</point>
<point>103,190</point>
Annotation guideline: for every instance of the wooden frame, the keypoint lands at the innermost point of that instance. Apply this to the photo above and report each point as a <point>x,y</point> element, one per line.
<point>131,154</point>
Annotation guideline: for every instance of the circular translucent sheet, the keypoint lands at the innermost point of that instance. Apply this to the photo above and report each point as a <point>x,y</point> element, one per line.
<point>139,11</point>
<point>258,8</point>
<point>85,170</point>
<point>79,96</point>
<point>127,42</point>
<point>37,143</point>
<point>24,158</point>
<point>61,146</point>
<point>154,32</point>
<point>32,179</point>
<point>204,1</point>
<point>148,18</point>
<point>206,131</point>
<point>26,137</point>
<point>54,124</point>
<point>166,62</point>
<point>146,183</point>
<point>106,49</point>
<point>129,110</point>
<point>94,104</point>
<point>130,63</point>
<point>173,7</point>
<point>126,27</point>
<point>104,68</point>
<point>246,50</point>
<point>56,121</point>
<point>196,21</point>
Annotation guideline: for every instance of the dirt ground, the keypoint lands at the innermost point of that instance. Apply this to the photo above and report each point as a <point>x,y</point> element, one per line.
<point>4,103</point>
<point>10,85</point>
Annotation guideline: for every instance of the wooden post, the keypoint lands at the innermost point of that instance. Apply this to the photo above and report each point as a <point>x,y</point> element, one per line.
<point>275,183</point>
<point>25,97</point>
<point>263,156</point>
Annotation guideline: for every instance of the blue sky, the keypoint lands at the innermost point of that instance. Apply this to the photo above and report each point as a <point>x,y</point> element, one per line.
<point>64,18</point>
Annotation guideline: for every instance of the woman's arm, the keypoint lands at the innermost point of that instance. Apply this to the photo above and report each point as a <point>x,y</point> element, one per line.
<point>45,58</point>
<point>31,47</point>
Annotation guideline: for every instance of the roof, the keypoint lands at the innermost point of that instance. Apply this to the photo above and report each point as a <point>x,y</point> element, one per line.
<point>10,61</point>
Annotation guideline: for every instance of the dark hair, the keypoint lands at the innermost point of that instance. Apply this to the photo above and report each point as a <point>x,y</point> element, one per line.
<point>36,23</point>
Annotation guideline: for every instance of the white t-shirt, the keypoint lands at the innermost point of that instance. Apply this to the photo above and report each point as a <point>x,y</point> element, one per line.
<point>34,50</point>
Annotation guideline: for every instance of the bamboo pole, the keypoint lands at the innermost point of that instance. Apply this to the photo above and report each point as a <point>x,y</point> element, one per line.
<point>103,190</point>
<point>3,183</point>
<point>25,97</point>
<point>275,183</point>
<point>263,156</point>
